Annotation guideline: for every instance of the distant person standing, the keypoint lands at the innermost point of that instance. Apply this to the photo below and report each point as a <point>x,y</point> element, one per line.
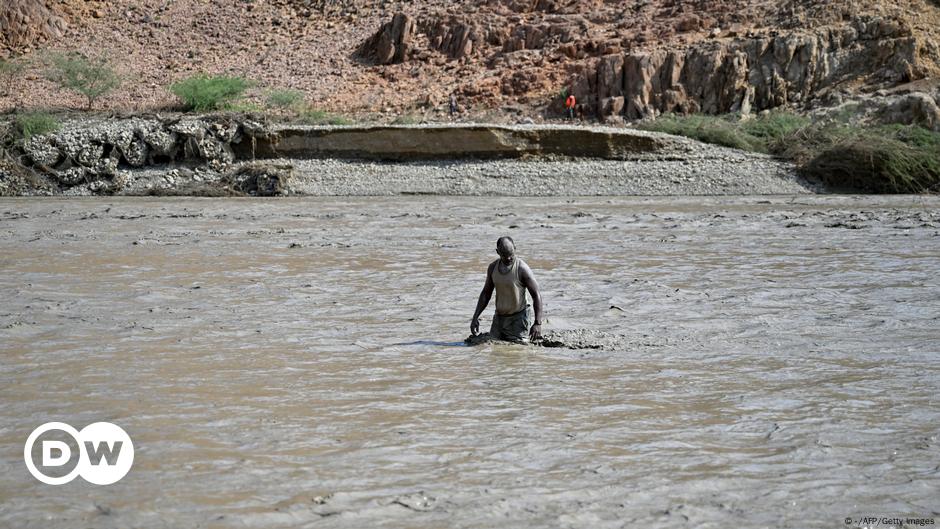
<point>453,105</point>
<point>570,104</point>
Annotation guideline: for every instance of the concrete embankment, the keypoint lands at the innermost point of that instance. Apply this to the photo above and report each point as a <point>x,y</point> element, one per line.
<point>448,142</point>
<point>218,155</point>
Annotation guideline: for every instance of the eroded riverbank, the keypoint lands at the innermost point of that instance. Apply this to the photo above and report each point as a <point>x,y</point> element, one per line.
<point>772,361</point>
<point>227,155</point>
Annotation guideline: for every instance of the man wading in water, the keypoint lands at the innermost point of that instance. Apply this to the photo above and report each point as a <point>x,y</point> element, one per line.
<point>510,277</point>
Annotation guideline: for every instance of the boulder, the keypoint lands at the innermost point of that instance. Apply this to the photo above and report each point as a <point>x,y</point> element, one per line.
<point>24,22</point>
<point>391,44</point>
<point>160,142</point>
<point>612,106</point>
<point>454,36</point>
<point>259,179</point>
<point>90,154</point>
<point>107,166</point>
<point>42,152</point>
<point>917,108</point>
<point>72,177</point>
<point>135,153</point>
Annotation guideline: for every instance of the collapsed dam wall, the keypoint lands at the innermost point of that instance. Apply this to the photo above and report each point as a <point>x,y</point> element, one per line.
<point>94,151</point>
<point>456,142</point>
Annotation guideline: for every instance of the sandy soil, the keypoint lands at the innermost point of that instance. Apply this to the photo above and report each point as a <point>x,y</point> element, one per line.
<point>309,46</point>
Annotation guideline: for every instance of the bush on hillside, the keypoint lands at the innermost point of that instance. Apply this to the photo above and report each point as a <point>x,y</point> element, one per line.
<point>34,124</point>
<point>312,116</point>
<point>719,130</point>
<point>284,99</point>
<point>879,159</point>
<point>759,134</point>
<point>872,158</point>
<point>92,77</point>
<point>204,93</point>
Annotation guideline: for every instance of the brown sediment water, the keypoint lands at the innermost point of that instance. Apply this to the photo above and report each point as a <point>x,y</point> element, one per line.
<point>761,361</point>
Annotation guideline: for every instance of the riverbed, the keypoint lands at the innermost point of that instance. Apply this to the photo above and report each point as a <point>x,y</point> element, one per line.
<point>768,361</point>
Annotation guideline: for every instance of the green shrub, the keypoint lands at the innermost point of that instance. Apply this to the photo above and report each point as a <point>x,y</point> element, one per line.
<point>406,119</point>
<point>880,159</point>
<point>90,77</point>
<point>284,99</point>
<point>770,128</point>
<point>709,129</point>
<point>760,133</point>
<point>34,124</point>
<point>873,158</point>
<point>203,92</point>
<point>339,120</point>
<point>312,116</point>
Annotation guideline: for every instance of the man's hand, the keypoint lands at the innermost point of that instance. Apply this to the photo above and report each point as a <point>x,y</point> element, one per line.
<point>475,326</point>
<point>535,332</point>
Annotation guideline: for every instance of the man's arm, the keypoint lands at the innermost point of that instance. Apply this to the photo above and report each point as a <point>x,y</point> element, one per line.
<point>528,280</point>
<point>484,300</point>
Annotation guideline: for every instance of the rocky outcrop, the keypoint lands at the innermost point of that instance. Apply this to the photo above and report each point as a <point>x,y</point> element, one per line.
<point>392,43</point>
<point>917,108</point>
<point>25,22</point>
<point>755,73</point>
<point>453,36</point>
<point>511,56</point>
<point>395,42</point>
<point>638,61</point>
<point>557,30</point>
<point>908,105</point>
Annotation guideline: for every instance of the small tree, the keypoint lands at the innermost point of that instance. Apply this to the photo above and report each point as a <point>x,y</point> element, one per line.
<point>90,77</point>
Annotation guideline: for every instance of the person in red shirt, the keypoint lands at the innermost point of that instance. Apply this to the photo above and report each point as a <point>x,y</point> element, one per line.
<point>570,103</point>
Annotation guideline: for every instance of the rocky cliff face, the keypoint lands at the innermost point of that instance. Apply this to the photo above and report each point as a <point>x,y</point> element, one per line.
<point>24,23</point>
<point>384,58</point>
<point>392,43</point>
<point>752,73</point>
<point>709,56</point>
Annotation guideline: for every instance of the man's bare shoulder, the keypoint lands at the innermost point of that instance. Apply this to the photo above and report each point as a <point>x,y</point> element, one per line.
<point>523,266</point>
<point>491,267</point>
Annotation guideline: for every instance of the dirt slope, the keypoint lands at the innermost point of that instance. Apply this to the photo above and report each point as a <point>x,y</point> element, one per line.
<point>622,58</point>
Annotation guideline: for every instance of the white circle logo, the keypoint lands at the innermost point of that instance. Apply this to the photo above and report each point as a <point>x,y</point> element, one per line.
<point>101,453</point>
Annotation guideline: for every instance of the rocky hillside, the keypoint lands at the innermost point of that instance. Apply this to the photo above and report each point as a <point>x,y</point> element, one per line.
<point>622,59</point>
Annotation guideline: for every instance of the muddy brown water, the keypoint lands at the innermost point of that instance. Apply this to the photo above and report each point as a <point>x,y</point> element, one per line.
<point>776,361</point>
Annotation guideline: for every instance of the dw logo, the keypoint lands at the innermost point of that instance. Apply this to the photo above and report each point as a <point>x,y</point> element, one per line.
<point>102,453</point>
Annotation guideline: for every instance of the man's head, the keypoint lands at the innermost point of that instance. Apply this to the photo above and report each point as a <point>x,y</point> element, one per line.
<point>506,249</point>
